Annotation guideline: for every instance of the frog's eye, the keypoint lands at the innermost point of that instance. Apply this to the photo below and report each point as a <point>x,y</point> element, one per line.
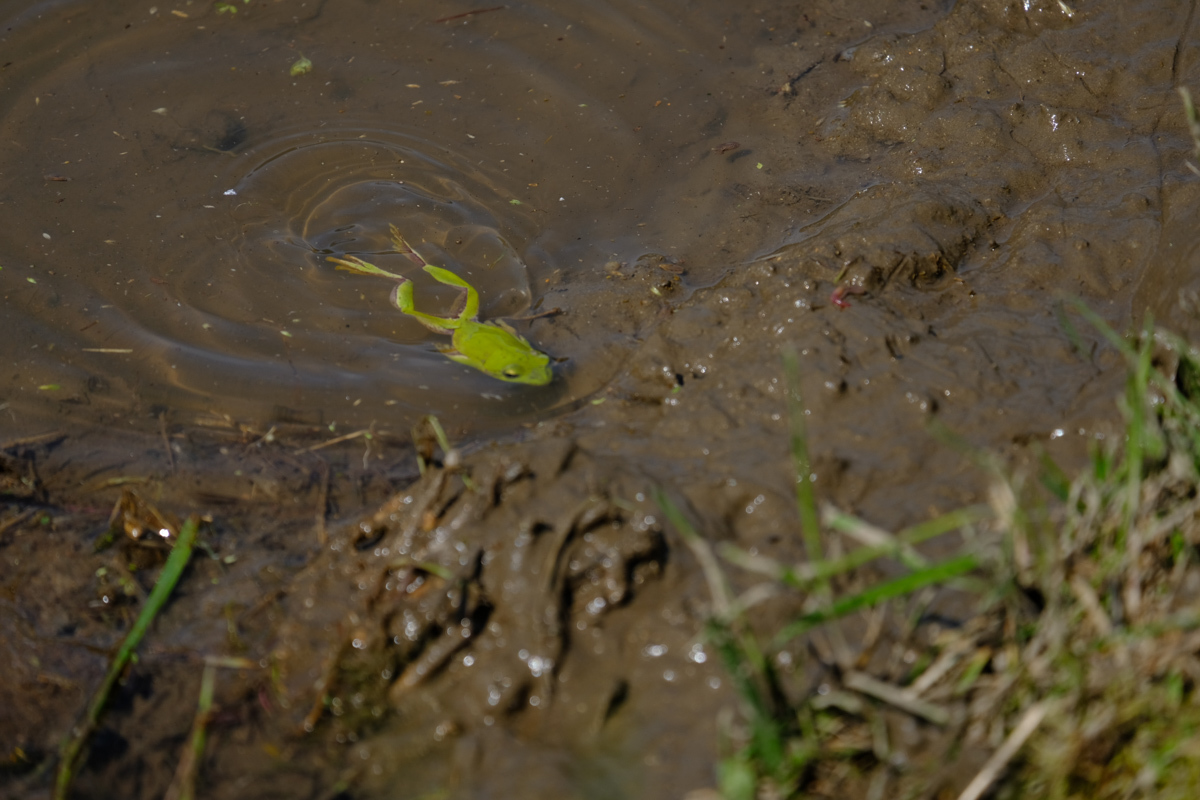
<point>512,371</point>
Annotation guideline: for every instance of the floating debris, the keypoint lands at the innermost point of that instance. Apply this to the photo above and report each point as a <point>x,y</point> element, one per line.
<point>301,66</point>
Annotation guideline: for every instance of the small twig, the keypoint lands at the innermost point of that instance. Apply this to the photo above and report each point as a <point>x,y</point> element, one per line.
<point>999,760</point>
<point>324,684</point>
<point>895,696</point>
<point>36,439</point>
<point>162,429</point>
<point>937,670</point>
<point>451,458</point>
<point>871,536</point>
<point>553,312</point>
<point>1091,605</point>
<point>717,585</point>
<point>870,637</point>
<point>231,662</point>
<point>16,519</point>
<point>266,438</point>
<point>323,504</point>
<point>470,13</point>
<point>183,785</point>
<point>1132,594</point>
<point>1193,121</point>
<point>759,593</point>
<point>337,440</point>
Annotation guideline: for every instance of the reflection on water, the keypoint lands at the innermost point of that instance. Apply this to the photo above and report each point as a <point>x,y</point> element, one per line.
<point>170,193</point>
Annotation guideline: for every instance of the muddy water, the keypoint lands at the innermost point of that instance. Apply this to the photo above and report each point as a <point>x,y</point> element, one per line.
<point>687,184</point>
<point>172,193</point>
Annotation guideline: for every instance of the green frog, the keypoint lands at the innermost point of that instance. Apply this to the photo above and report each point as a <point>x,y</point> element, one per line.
<point>492,347</point>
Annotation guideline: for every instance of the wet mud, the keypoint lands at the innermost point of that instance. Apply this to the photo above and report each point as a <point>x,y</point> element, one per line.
<point>662,197</point>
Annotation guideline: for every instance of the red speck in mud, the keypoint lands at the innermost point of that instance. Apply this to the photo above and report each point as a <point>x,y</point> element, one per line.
<point>839,295</point>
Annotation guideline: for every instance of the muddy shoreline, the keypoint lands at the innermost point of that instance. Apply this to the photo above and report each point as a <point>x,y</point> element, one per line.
<point>520,620</point>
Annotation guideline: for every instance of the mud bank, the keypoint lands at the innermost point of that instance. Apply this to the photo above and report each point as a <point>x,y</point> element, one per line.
<point>901,201</point>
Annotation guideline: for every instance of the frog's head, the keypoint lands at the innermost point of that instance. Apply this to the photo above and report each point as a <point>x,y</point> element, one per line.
<point>531,367</point>
<point>497,350</point>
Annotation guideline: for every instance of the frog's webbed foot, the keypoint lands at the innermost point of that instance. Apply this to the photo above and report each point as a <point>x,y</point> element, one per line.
<point>402,298</point>
<point>404,248</point>
<point>359,267</point>
<point>469,298</point>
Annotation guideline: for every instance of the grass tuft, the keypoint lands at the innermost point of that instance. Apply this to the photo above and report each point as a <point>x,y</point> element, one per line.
<point>1076,677</point>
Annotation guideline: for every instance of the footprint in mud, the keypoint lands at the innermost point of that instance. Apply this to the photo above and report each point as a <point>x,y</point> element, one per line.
<point>914,239</point>
<point>482,595</point>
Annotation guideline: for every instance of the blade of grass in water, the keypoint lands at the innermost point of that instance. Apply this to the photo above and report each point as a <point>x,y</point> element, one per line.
<point>439,434</point>
<point>183,787</point>
<point>73,746</point>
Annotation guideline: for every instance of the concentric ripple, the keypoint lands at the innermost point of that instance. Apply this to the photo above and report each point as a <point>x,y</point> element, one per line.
<point>171,194</point>
<point>334,337</point>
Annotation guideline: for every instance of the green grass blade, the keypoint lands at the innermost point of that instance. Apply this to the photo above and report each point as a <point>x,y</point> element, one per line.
<point>439,433</point>
<point>1137,436</point>
<point>1193,120</point>
<point>748,671</point>
<point>902,542</point>
<point>805,576</point>
<point>73,746</point>
<point>738,649</point>
<point>934,574</point>
<point>1053,478</point>
<point>1115,339</point>
<point>183,787</point>
<point>806,501</point>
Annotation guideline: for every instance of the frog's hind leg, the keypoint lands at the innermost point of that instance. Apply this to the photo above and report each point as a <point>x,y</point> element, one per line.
<point>404,248</point>
<point>469,298</point>
<point>402,298</point>
<point>360,267</point>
